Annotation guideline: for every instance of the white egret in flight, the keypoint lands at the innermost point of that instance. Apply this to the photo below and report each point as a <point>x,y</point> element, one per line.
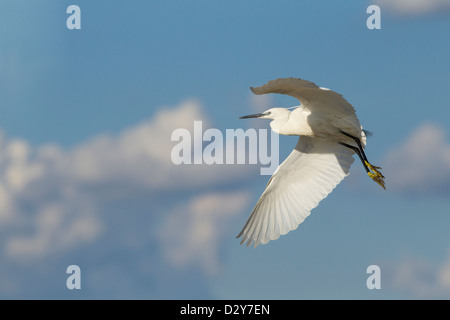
<point>330,134</point>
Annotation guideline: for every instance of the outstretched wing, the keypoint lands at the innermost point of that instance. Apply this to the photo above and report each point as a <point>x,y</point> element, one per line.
<point>308,175</point>
<point>310,95</point>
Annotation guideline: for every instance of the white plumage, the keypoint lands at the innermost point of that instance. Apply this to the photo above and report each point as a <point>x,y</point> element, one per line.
<point>330,133</point>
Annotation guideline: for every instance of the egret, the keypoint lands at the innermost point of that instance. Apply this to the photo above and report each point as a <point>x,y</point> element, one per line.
<point>329,135</point>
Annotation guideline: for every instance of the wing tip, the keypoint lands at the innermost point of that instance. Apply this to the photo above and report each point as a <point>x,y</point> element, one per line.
<point>248,239</point>
<point>254,90</point>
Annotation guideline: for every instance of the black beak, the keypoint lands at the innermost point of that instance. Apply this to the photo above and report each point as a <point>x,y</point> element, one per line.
<point>258,115</point>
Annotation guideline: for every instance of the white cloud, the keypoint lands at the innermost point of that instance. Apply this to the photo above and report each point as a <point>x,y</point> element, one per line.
<point>419,278</point>
<point>413,7</point>
<point>58,227</point>
<point>20,172</point>
<point>54,200</point>
<point>141,155</point>
<point>192,233</point>
<point>421,164</point>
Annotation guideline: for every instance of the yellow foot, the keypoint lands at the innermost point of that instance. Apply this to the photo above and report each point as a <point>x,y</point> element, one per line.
<point>374,169</point>
<point>377,179</point>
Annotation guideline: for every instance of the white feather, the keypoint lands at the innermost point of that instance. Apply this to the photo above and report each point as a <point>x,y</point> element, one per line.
<point>308,175</point>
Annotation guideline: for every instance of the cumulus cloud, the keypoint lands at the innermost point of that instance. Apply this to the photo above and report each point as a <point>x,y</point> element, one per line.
<point>56,227</point>
<point>414,7</point>
<point>420,278</point>
<point>421,164</point>
<point>139,156</point>
<point>193,231</point>
<point>54,201</point>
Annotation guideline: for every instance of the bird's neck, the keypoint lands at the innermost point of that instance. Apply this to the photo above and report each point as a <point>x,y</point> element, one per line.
<point>292,125</point>
<point>279,126</point>
<point>283,127</point>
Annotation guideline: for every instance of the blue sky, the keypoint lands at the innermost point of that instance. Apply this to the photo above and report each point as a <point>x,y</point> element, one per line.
<point>85,170</point>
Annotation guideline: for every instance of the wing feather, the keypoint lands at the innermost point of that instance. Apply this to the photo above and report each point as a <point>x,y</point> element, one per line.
<point>309,94</point>
<point>313,169</point>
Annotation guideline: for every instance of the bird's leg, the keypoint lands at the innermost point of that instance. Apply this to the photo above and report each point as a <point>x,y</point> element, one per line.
<point>375,177</point>
<point>356,150</point>
<point>368,164</point>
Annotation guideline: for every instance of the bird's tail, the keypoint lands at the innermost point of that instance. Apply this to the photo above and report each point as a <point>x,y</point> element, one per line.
<point>367,133</point>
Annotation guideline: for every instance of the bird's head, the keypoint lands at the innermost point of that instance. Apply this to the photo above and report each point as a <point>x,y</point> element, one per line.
<point>279,117</point>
